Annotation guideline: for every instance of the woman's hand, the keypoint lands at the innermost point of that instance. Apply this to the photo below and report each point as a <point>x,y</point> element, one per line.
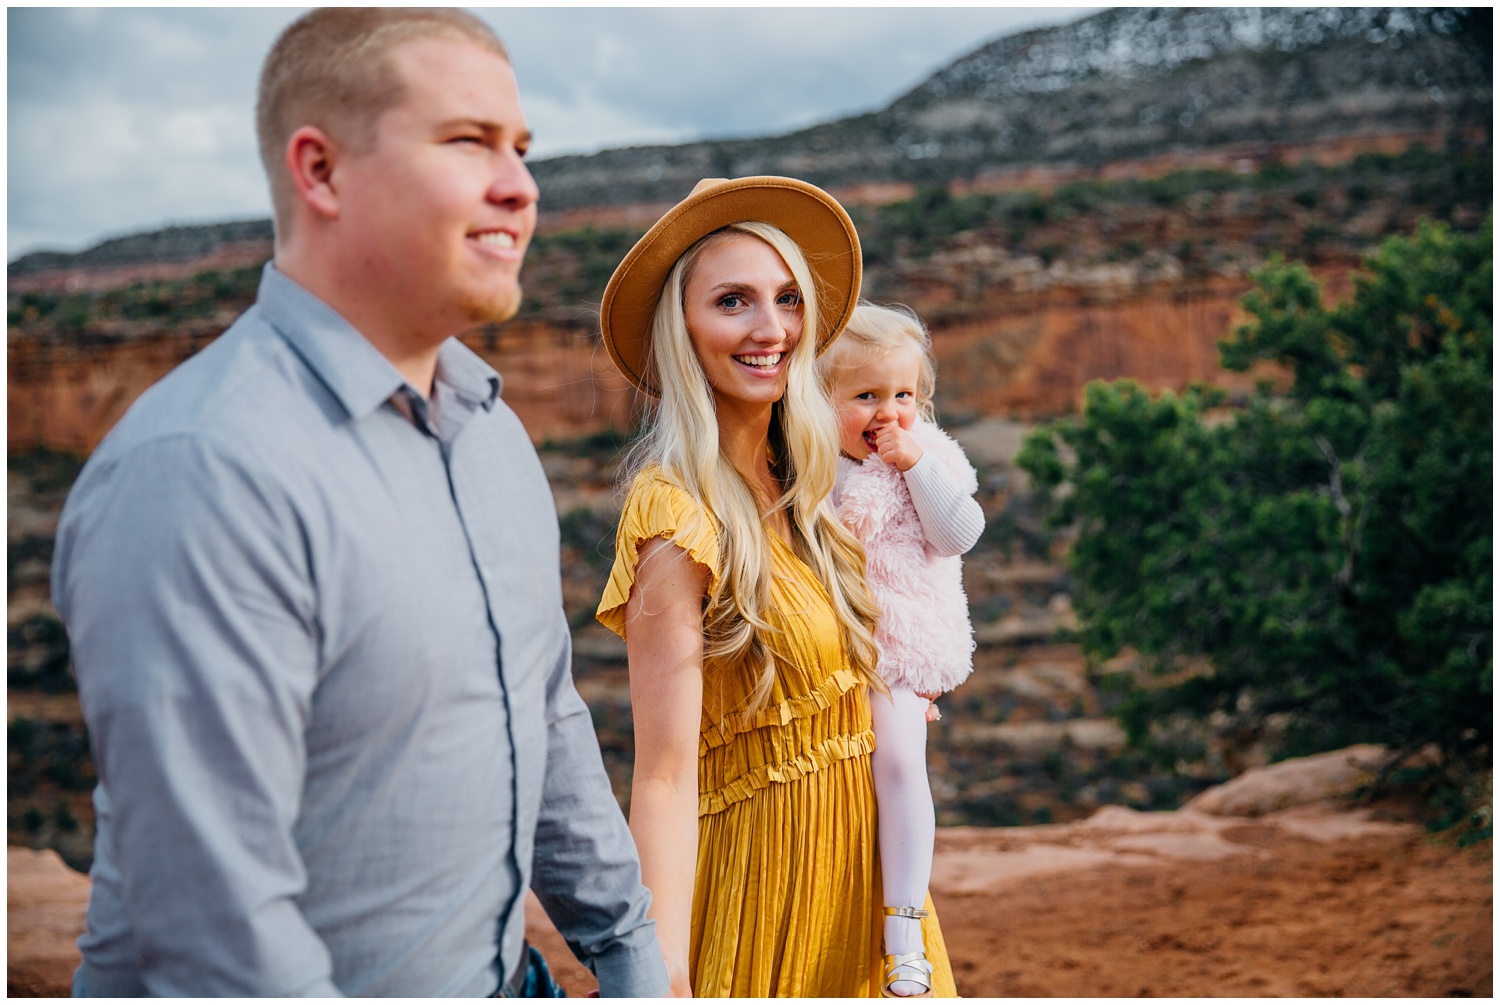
<point>681,984</point>
<point>664,640</point>
<point>933,715</point>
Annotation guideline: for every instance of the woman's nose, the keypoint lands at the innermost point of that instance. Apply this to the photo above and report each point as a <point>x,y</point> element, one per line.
<point>886,410</point>
<point>771,327</point>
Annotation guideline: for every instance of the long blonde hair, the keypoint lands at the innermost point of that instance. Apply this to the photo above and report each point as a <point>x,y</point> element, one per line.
<point>682,439</point>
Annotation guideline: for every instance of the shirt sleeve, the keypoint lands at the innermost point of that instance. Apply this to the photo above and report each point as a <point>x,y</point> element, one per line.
<point>585,870</point>
<point>186,588</point>
<point>952,520</point>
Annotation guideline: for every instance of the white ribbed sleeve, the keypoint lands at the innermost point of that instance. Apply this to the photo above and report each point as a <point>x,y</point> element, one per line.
<point>951,519</point>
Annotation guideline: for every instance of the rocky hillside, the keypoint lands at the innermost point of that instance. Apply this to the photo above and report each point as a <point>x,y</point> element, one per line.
<point>1135,85</point>
<point>1030,294</point>
<point>1125,83</point>
<point>168,245</point>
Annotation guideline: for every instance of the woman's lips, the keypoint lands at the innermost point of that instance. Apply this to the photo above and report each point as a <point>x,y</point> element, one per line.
<point>761,361</point>
<point>762,364</point>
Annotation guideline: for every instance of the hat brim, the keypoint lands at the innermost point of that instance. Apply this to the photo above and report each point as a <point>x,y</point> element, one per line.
<point>807,214</point>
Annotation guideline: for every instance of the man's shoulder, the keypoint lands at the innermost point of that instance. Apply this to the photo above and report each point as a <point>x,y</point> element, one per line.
<point>246,387</point>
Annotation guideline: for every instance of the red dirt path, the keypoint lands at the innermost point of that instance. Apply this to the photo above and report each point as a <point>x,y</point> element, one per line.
<point>1389,913</point>
<point>1386,915</point>
<point>1377,915</point>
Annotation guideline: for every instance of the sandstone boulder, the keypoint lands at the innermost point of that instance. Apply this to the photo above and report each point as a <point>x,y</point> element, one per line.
<point>1297,782</point>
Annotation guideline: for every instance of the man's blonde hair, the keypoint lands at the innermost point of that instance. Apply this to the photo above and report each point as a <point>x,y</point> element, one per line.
<point>331,68</point>
<point>874,331</point>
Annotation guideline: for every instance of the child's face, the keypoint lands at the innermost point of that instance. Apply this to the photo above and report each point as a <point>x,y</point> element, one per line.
<point>882,391</point>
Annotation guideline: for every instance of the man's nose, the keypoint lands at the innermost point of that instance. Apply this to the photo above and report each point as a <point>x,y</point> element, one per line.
<point>513,186</point>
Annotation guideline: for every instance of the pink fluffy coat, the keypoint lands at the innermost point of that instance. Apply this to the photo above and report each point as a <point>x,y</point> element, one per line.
<point>925,639</point>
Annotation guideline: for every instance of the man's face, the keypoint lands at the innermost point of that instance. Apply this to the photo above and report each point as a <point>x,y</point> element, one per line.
<point>439,212</point>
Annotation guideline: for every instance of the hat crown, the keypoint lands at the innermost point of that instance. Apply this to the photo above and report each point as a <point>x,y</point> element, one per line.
<point>706,183</point>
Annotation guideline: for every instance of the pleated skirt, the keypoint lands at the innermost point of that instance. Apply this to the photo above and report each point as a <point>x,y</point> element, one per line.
<point>787,900</point>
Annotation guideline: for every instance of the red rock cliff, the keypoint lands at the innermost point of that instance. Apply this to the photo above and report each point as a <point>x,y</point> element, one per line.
<point>1026,354</point>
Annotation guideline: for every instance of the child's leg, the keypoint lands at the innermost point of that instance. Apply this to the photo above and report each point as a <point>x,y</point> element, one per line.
<point>907,822</point>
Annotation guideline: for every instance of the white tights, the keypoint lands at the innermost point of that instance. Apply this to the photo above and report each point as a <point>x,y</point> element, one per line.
<point>907,822</point>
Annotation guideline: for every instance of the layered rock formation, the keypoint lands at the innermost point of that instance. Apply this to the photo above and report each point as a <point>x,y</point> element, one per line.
<point>1128,86</point>
<point>1126,83</point>
<point>1028,354</point>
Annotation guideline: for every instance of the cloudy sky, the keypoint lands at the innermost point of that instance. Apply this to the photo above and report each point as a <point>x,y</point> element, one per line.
<point>126,119</point>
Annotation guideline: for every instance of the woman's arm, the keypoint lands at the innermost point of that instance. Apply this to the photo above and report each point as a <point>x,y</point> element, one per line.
<point>664,639</point>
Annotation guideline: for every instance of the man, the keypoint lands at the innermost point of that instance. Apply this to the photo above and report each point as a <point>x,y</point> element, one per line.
<point>313,589</point>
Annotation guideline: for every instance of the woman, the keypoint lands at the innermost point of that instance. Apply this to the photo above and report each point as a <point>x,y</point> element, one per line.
<point>743,602</point>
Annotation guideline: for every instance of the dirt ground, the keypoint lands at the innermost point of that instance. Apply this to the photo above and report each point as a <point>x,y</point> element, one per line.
<point>1383,911</point>
<point>1392,914</point>
<point>1386,915</point>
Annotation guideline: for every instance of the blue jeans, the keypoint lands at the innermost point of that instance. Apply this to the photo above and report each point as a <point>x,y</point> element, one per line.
<point>537,981</point>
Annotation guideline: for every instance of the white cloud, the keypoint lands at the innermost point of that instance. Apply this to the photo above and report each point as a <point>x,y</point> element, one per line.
<point>124,119</point>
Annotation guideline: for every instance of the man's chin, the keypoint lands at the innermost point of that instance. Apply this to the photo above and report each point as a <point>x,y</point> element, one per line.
<point>492,310</point>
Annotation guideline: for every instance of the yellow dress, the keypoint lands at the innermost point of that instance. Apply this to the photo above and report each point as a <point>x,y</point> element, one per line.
<point>787,899</point>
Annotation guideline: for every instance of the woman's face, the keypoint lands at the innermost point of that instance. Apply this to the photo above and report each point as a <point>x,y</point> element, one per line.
<point>744,317</point>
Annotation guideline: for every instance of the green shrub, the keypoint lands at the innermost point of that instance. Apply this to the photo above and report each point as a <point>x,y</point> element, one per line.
<point>1324,554</point>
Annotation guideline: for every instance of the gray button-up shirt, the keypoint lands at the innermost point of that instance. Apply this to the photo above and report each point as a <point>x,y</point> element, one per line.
<point>324,663</point>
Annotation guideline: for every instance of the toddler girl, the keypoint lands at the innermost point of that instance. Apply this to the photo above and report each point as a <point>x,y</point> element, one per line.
<point>905,489</point>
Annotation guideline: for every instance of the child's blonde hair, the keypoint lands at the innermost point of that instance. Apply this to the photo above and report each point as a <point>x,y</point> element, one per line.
<point>874,331</point>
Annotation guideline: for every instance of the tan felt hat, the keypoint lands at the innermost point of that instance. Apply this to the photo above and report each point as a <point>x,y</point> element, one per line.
<point>807,214</point>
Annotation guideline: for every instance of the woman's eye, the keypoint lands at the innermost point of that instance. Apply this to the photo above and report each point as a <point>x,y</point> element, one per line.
<point>731,301</point>
<point>791,298</point>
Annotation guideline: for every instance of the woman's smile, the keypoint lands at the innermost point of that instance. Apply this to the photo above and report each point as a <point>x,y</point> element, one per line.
<point>761,362</point>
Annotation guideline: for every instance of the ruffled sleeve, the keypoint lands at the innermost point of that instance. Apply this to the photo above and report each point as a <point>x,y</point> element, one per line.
<point>654,507</point>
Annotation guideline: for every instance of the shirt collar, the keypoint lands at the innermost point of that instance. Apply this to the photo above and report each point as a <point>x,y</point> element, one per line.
<point>466,373</point>
<point>345,361</point>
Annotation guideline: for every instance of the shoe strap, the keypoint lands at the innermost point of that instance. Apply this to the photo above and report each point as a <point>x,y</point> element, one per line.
<point>917,962</point>
<point>908,912</point>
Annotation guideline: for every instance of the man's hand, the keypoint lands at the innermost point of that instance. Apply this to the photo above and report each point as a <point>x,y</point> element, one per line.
<point>895,446</point>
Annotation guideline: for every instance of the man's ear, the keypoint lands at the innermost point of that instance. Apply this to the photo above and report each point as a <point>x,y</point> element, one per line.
<point>310,157</point>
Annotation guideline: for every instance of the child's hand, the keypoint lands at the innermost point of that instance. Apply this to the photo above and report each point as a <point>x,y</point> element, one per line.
<point>895,446</point>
